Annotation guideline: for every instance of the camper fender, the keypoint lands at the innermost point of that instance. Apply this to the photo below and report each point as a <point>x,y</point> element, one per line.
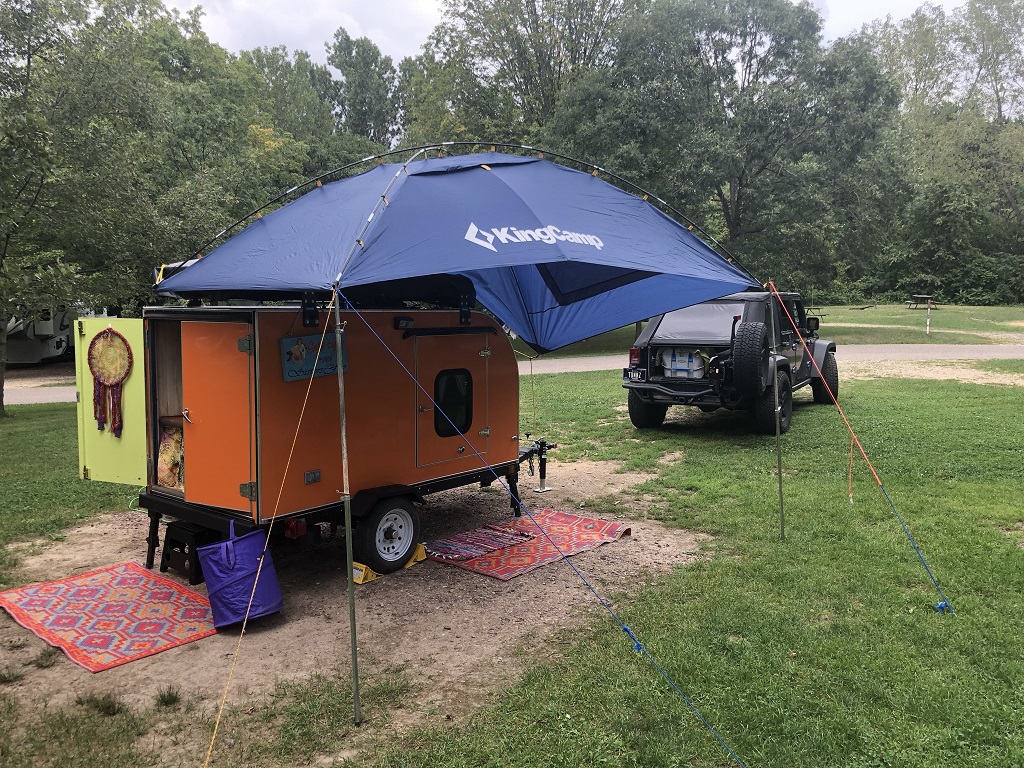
<point>366,499</point>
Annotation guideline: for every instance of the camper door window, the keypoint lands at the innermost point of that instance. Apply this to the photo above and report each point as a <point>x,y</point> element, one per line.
<point>453,398</point>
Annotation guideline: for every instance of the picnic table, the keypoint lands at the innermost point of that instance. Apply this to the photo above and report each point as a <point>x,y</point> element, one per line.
<point>920,299</point>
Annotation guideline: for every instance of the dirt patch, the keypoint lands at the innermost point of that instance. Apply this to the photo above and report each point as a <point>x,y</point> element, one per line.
<point>953,370</point>
<point>449,628</point>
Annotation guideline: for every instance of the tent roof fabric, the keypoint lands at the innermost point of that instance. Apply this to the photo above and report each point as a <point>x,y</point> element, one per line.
<point>557,254</point>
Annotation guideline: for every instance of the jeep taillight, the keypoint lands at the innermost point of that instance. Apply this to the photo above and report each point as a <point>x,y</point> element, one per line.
<point>634,357</point>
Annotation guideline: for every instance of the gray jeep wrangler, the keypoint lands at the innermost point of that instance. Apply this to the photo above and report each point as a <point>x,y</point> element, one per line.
<point>720,354</point>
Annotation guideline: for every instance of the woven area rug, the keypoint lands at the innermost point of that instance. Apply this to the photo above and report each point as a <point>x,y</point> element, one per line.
<point>112,615</point>
<point>479,541</point>
<point>560,533</point>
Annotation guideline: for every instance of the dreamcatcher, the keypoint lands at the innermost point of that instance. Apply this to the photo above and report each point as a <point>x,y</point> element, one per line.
<point>110,361</point>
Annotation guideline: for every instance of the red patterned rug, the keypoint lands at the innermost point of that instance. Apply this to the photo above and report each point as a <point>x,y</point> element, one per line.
<point>559,533</point>
<point>112,615</point>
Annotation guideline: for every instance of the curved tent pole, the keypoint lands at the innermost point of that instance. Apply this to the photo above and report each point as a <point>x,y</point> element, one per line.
<point>369,219</point>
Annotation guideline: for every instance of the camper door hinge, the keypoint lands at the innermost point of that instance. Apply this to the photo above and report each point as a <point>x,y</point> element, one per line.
<point>85,473</point>
<point>245,344</point>
<point>81,328</point>
<point>485,432</point>
<point>248,490</point>
<point>485,352</point>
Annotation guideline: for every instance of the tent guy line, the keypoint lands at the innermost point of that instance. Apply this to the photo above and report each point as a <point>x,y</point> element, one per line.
<point>944,605</point>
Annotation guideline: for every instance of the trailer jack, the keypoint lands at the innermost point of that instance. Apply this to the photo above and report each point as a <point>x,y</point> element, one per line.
<point>539,449</point>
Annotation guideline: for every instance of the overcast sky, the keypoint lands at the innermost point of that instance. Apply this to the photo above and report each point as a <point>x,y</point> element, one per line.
<point>400,27</point>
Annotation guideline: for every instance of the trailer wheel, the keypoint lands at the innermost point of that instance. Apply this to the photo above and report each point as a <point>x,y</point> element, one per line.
<point>386,538</point>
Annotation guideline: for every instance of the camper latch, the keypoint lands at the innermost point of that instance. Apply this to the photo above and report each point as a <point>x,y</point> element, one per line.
<point>248,490</point>
<point>485,352</point>
<point>245,344</point>
<point>485,432</point>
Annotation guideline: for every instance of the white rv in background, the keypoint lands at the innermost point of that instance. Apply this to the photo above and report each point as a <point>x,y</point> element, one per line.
<point>30,342</point>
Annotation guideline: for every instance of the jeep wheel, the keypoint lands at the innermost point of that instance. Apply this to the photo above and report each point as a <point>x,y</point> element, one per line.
<point>643,415</point>
<point>752,360</point>
<point>829,376</point>
<point>764,410</point>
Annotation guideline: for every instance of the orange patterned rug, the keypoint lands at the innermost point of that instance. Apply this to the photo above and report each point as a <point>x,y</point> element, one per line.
<point>559,533</point>
<point>112,615</point>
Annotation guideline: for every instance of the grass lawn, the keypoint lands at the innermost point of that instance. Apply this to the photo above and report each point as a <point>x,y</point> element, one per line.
<point>820,650</point>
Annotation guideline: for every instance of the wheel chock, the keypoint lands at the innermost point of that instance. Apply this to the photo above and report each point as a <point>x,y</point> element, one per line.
<point>418,556</point>
<point>364,573</point>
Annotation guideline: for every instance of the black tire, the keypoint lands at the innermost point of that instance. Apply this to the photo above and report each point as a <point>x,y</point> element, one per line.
<point>751,366</point>
<point>764,410</point>
<point>829,376</point>
<point>386,539</point>
<point>644,415</point>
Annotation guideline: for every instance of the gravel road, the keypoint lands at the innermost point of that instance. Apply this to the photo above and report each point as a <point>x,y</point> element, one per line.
<point>55,383</point>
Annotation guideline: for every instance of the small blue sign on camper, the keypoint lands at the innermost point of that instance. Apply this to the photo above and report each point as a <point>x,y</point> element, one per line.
<point>306,357</point>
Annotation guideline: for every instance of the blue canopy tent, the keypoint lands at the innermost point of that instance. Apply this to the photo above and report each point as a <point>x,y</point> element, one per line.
<point>557,254</point>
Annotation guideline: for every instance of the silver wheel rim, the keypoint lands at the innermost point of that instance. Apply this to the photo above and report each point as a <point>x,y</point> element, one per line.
<point>393,538</point>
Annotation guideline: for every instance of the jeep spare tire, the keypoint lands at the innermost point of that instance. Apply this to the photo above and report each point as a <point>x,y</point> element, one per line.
<point>751,359</point>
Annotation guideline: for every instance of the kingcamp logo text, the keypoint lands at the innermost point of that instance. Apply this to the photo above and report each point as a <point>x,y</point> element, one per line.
<point>550,235</point>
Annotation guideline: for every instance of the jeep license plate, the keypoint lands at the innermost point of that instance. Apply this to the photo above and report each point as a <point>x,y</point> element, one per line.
<point>634,374</point>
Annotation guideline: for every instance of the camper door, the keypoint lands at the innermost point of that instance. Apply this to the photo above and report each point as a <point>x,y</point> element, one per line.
<point>451,403</point>
<point>217,374</point>
<point>102,454</point>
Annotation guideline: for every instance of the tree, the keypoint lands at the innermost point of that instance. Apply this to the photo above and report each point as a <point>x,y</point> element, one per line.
<point>957,250</point>
<point>444,100</point>
<point>496,71</point>
<point>747,124</point>
<point>368,101</point>
<point>301,99</point>
<point>534,49</point>
<point>992,42</point>
<point>920,55</point>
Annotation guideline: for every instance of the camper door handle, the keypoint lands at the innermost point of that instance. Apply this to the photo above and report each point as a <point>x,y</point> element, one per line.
<point>425,409</point>
<point>184,415</point>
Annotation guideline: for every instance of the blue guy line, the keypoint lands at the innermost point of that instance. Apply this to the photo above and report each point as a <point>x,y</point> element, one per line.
<point>637,645</point>
<point>944,606</point>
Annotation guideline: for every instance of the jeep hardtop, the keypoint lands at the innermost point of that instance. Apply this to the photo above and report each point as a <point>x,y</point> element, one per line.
<point>721,354</point>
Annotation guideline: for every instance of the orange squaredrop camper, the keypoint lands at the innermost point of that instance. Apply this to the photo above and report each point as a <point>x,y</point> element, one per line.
<point>239,409</point>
